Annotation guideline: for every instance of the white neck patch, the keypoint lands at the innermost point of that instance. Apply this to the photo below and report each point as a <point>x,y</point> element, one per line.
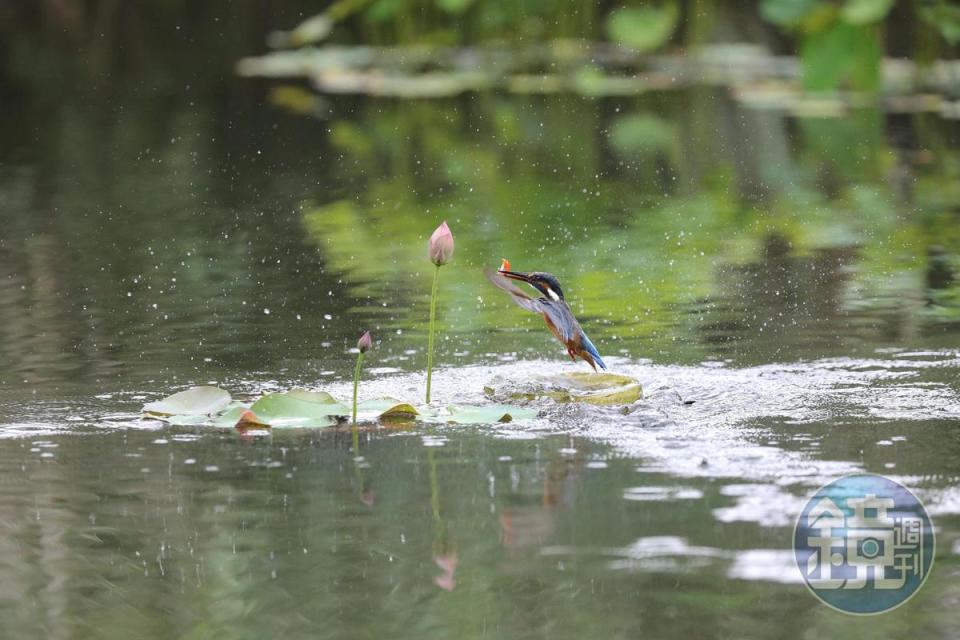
<point>553,294</point>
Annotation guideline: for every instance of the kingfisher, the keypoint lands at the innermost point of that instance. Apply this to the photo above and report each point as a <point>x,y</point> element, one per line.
<point>551,305</point>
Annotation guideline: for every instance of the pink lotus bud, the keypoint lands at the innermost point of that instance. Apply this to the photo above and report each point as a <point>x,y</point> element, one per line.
<point>440,248</point>
<point>365,342</point>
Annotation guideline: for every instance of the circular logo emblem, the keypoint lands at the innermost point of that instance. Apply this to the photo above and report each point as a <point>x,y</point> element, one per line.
<point>864,544</point>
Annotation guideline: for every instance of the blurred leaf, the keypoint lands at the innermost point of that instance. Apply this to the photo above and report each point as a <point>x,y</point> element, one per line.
<point>786,12</point>
<point>353,139</point>
<point>643,28</point>
<point>825,57</point>
<point>291,410</point>
<point>945,18</point>
<point>642,133</point>
<point>865,72</point>
<point>591,81</point>
<point>841,52</point>
<point>866,11</point>
<point>310,31</point>
<point>454,6</point>
<point>383,10</point>
<point>295,99</point>
<point>200,401</point>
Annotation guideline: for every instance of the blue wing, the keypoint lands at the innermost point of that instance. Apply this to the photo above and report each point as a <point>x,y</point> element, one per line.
<point>527,302</point>
<point>592,350</point>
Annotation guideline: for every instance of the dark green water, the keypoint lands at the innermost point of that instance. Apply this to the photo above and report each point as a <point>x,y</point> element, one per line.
<point>165,224</point>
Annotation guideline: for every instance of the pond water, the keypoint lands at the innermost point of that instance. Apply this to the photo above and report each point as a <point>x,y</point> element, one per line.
<point>784,288</point>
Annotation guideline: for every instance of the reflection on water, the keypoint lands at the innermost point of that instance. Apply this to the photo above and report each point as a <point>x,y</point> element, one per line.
<point>165,532</point>
<point>179,261</point>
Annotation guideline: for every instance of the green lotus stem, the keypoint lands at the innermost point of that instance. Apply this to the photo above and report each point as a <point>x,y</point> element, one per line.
<point>440,251</point>
<point>364,344</point>
<point>356,383</point>
<point>433,313</point>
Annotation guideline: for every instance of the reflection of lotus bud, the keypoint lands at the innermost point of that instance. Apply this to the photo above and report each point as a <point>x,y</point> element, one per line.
<point>440,248</point>
<point>448,563</point>
<point>365,342</point>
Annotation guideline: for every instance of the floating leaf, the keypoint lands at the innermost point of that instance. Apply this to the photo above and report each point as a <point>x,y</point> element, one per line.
<point>312,396</point>
<point>597,388</point>
<point>487,414</point>
<point>580,386</point>
<point>643,28</point>
<point>185,419</point>
<point>231,416</point>
<point>589,381</point>
<point>385,408</point>
<point>195,401</point>
<point>290,410</point>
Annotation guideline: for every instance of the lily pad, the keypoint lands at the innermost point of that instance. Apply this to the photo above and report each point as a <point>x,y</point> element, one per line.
<point>485,414</point>
<point>195,401</point>
<point>595,388</point>
<point>184,419</point>
<point>581,386</point>
<point>385,408</point>
<point>231,416</point>
<point>312,396</point>
<point>280,410</point>
<point>587,381</point>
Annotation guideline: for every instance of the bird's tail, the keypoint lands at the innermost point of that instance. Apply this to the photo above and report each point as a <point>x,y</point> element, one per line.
<point>592,350</point>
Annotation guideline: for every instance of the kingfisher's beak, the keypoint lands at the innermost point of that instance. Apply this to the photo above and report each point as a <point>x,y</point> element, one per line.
<point>515,275</point>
